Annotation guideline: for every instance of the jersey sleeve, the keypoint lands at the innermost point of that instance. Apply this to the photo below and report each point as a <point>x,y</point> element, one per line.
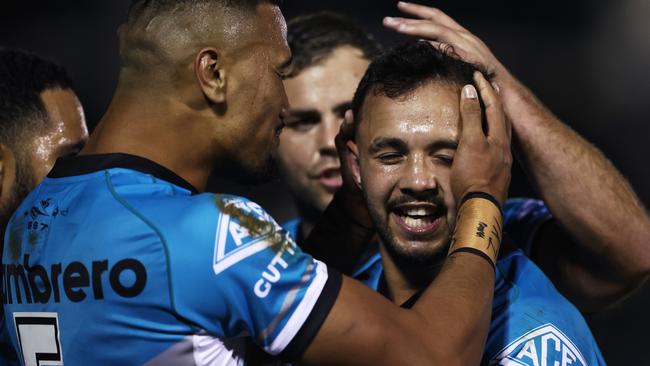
<point>247,277</point>
<point>522,217</point>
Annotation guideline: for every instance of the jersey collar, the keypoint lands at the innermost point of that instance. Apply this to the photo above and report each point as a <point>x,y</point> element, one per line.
<point>86,164</point>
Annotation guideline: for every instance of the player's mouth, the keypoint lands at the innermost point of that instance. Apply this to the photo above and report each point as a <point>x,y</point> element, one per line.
<point>330,179</point>
<point>418,219</point>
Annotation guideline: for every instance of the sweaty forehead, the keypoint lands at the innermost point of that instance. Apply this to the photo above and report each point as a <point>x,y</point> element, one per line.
<point>327,83</point>
<point>431,111</point>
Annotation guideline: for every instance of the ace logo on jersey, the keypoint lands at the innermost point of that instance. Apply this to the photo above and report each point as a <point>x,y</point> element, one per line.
<point>543,346</point>
<point>243,229</point>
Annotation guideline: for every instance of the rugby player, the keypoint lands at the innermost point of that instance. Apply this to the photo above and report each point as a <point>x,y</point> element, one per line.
<point>41,120</point>
<point>330,55</point>
<point>117,259</point>
<point>595,246</point>
<point>406,116</point>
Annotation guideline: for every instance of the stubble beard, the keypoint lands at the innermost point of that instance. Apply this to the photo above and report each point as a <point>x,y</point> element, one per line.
<point>407,259</point>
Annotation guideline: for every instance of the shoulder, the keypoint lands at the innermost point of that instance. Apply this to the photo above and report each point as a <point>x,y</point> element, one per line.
<point>292,226</point>
<point>206,214</point>
<point>532,322</point>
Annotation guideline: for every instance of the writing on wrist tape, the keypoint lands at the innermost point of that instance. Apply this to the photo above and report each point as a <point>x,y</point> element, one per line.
<point>478,227</point>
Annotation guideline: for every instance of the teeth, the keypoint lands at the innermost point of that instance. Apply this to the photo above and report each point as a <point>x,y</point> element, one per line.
<point>417,222</point>
<point>421,211</point>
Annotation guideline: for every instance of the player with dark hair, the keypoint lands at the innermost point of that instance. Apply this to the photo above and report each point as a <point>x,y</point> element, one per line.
<point>594,247</point>
<point>406,118</point>
<point>41,120</point>
<point>334,53</point>
<point>117,259</point>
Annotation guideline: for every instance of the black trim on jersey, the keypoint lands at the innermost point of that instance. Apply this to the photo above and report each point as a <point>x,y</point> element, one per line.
<point>316,318</point>
<point>87,164</point>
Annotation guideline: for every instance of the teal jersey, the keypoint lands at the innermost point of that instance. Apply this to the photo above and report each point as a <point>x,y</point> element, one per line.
<point>115,260</point>
<point>532,323</point>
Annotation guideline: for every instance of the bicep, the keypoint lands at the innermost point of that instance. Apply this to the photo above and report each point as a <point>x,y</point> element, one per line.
<point>580,275</point>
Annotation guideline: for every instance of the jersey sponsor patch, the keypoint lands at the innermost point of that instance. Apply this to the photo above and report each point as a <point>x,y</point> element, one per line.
<point>543,346</point>
<point>243,229</point>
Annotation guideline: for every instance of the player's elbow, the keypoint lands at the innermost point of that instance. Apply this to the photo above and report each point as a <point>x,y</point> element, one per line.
<point>593,295</point>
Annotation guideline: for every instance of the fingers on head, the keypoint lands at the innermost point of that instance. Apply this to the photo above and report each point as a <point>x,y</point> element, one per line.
<point>470,110</point>
<point>496,121</point>
<point>428,12</point>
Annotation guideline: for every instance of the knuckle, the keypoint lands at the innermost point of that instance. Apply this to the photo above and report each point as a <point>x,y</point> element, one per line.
<point>435,12</point>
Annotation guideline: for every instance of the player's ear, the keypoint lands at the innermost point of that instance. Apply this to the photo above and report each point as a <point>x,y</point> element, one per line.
<point>210,75</point>
<point>7,172</point>
<point>353,162</point>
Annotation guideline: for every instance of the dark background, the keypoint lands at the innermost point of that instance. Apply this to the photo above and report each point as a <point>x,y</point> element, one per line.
<point>587,60</point>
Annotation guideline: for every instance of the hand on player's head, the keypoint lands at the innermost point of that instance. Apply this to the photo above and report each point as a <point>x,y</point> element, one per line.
<point>483,159</point>
<point>443,32</point>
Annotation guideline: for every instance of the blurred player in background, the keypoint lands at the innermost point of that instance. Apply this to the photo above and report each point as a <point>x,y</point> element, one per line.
<point>41,120</point>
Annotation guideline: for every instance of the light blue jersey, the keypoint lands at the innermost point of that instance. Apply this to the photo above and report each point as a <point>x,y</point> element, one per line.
<point>115,260</point>
<point>532,323</point>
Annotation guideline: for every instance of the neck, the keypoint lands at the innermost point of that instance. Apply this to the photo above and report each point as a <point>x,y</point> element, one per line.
<point>309,217</point>
<point>405,277</point>
<point>156,128</point>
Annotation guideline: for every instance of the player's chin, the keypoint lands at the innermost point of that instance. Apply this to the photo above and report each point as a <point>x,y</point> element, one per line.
<point>419,251</point>
<point>249,171</point>
<point>262,172</point>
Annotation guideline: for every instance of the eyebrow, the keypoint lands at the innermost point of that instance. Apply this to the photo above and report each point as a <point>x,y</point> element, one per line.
<point>342,107</point>
<point>302,114</point>
<point>381,143</point>
<point>443,144</point>
<point>314,114</point>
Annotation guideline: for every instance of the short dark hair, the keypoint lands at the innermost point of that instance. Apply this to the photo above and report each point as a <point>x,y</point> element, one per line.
<point>315,36</point>
<point>23,77</point>
<point>408,66</point>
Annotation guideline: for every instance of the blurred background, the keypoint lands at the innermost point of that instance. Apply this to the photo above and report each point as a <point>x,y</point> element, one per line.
<point>587,60</point>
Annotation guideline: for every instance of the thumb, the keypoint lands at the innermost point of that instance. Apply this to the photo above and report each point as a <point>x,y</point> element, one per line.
<point>470,111</point>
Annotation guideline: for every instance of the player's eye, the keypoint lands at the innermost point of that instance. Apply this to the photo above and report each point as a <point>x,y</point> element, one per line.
<point>300,124</point>
<point>444,159</point>
<point>389,158</point>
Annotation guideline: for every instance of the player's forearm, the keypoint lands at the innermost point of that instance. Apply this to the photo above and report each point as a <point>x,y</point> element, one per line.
<point>462,292</point>
<point>581,187</point>
<point>456,309</point>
